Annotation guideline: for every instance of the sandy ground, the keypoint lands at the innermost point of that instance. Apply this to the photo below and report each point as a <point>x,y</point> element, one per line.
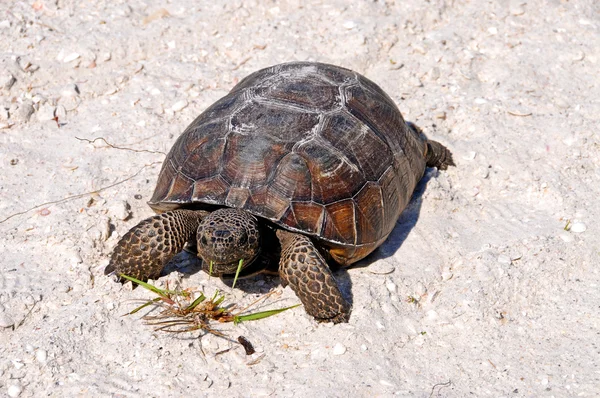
<point>489,285</point>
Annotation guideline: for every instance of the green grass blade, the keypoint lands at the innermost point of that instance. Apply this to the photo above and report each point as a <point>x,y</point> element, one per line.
<point>160,292</point>
<point>237,272</point>
<point>149,302</point>
<point>195,303</point>
<point>210,266</point>
<point>260,315</point>
<point>218,300</point>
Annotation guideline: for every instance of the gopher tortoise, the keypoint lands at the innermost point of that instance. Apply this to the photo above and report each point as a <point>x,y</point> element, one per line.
<point>302,165</point>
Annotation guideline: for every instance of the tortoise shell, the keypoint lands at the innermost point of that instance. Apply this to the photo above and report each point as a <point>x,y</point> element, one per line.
<point>314,148</point>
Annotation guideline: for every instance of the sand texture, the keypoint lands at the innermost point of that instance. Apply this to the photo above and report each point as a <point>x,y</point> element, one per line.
<point>489,286</point>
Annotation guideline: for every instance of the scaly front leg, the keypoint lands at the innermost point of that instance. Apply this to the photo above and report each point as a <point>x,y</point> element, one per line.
<point>144,251</point>
<point>304,269</point>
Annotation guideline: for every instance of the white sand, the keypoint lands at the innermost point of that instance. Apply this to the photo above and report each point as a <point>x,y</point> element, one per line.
<point>505,300</point>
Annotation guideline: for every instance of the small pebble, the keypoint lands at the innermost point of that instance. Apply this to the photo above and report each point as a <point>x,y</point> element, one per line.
<point>386,383</point>
<point>579,56</point>
<point>75,256</point>
<point>504,259</point>
<point>159,109</point>
<point>561,103</point>
<point>447,274</point>
<point>111,91</point>
<point>420,289</point>
<point>104,227</point>
<point>318,355</point>
<point>483,172</point>
<point>23,63</point>
<point>391,286</point>
<point>179,105</point>
<point>339,349</point>
<point>349,25</point>
<point>41,356</point>
<point>434,73</point>
<point>381,268</point>
<point>17,364</point>
<point>470,155</point>
<point>6,321</point>
<point>14,390</point>
<point>23,112</point>
<point>432,315</point>
<point>517,9</point>
<point>39,99</point>
<point>566,237</point>
<point>419,49</point>
<point>104,57</point>
<point>70,57</point>
<point>7,80</point>
<point>483,272</point>
<point>70,90</point>
<point>578,227</point>
<point>60,112</point>
<point>46,112</point>
<point>119,210</point>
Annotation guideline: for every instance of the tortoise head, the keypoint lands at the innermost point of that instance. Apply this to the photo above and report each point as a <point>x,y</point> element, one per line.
<point>225,237</point>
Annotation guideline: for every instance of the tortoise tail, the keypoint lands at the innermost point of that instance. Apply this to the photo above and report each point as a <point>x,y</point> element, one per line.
<point>438,156</point>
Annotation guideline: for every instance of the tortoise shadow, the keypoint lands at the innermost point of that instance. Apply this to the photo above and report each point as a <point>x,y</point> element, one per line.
<point>406,222</point>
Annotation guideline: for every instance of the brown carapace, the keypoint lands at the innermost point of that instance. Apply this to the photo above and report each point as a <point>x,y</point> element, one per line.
<point>315,152</point>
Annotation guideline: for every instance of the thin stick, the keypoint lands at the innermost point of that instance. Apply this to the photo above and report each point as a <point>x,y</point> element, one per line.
<point>81,195</point>
<point>119,147</point>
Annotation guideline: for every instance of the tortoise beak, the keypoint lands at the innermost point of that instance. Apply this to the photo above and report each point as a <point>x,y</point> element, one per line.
<point>220,268</point>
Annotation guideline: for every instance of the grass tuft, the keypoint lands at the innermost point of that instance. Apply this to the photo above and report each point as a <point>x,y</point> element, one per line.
<point>180,312</point>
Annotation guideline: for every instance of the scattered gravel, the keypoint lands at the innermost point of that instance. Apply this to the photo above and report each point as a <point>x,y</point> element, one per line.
<point>483,288</point>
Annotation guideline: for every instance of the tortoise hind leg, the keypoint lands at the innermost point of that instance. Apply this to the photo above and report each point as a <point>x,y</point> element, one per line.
<point>438,155</point>
<point>304,269</point>
<point>145,249</point>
